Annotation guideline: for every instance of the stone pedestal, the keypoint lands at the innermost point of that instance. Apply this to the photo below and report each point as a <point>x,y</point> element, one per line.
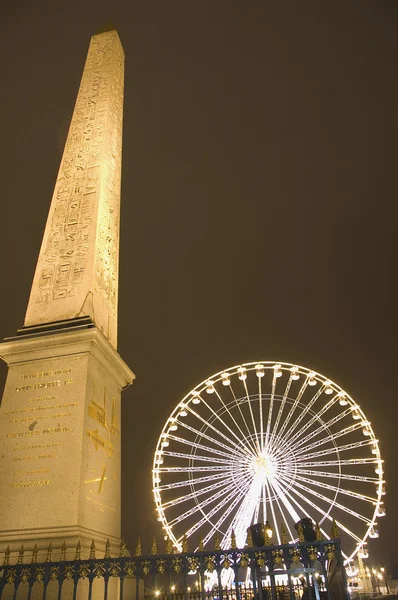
<point>60,442</point>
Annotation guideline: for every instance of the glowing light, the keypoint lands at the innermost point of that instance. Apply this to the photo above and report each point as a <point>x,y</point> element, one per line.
<point>373,533</point>
<point>195,397</point>
<point>342,399</point>
<point>183,412</point>
<point>311,379</point>
<point>328,387</point>
<point>295,373</point>
<point>277,370</point>
<point>260,370</point>
<point>225,379</point>
<point>242,373</point>
<point>157,593</point>
<point>210,387</point>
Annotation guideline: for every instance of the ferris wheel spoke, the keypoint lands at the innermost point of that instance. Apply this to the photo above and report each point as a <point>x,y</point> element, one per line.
<point>193,457</point>
<point>232,498</point>
<point>230,415</point>
<point>186,482</point>
<point>336,449</point>
<point>217,416</point>
<point>260,406</point>
<point>246,510</point>
<point>225,516</point>
<point>192,444</point>
<point>362,478</point>
<point>282,405</point>
<point>273,511</point>
<point>325,426</point>
<point>293,407</point>
<point>252,416</point>
<point>328,438</point>
<point>302,414</point>
<point>316,417</point>
<point>250,442</point>
<point>345,462</point>
<point>200,505</point>
<point>270,409</point>
<point>212,469</point>
<point>327,516</point>
<point>206,490</point>
<point>233,446</point>
<point>288,507</point>
<point>334,488</point>
<point>329,501</point>
<point>201,434</point>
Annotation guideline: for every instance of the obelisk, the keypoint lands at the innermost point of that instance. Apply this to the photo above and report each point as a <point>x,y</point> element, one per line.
<point>60,414</point>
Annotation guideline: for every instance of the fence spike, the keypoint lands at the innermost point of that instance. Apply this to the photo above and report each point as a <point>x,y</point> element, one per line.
<point>20,556</point>
<point>169,546</point>
<point>107,549</point>
<point>233,540</point>
<point>63,552</point>
<point>123,549</point>
<point>249,538</point>
<point>138,550</point>
<point>335,532</point>
<point>154,549</point>
<point>185,543</point>
<point>34,554</point>
<point>49,552</point>
<point>216,541</point>
<point>319,536</point>
<point>92,549</point>
<point>78,551</point>
<point>201,545</point>
<point>284,539</point>
<point>7,556</point>
<point>300,532</point>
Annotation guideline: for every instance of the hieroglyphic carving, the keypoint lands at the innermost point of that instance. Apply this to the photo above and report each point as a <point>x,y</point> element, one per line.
<point>77,270</point>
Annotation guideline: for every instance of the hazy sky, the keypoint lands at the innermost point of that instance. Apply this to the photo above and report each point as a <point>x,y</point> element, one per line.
<point>258,201</point>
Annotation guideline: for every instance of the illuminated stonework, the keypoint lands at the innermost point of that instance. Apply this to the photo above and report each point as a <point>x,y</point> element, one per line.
<point>77,270</point>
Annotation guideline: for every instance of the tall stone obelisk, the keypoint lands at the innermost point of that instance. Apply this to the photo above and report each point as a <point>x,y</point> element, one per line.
<point>60,414</point>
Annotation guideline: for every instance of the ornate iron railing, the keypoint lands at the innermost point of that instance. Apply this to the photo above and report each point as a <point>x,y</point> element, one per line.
<point>311,571</point>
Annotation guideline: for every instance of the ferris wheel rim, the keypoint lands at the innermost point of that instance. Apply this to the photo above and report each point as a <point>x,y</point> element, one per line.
<point>307,373</point>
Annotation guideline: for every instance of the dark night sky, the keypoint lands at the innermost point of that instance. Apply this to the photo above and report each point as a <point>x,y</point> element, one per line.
<point>258,205</point>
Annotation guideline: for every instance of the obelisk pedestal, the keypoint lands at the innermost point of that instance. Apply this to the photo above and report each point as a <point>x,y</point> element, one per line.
<point>60,414</point>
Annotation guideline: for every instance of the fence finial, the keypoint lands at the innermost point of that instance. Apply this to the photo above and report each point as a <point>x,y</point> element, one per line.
<point>92,549</point>
<point>249,538</point>
<point>284,539</point>
<point>107,549</point>
<point>169,546</point>
<point>335,533</point>
<point>34,554</point>
<point>138,549</point>
<point>201,545</point>
<point>233,540</point>
<point>300,532</point>
<point>78,551</point>
<point>20,556</point>
<point>154,549</point>
<point>49,552</point>
<point>63,552</point>
<point>319,536</point>
<point>123,548</point>
<point>216,541</point>
<point>7,556</point>
<point>185,543</point>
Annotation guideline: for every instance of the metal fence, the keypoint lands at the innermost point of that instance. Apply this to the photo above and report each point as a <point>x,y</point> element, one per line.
<point>307,571</point>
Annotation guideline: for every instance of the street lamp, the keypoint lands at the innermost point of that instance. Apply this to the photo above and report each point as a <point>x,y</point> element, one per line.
<point>268,529</point>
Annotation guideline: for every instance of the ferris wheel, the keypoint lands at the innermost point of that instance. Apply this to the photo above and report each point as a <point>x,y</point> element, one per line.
<point>272,442</point>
